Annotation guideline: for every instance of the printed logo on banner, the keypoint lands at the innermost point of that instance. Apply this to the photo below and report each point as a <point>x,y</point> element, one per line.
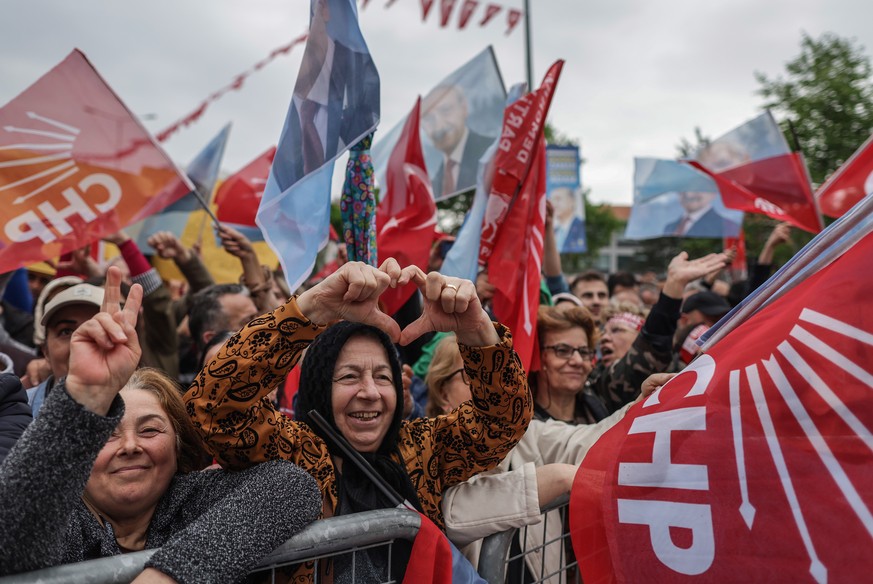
<point>753,464</point>
<point>41,162</point>
<point>783,381</point>
<point>75,165</point>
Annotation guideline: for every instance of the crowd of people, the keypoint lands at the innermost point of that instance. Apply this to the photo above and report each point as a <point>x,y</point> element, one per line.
<point>140,413</point>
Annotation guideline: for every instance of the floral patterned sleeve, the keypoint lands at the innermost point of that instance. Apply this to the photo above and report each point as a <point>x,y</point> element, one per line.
<point>478,434</point>
<point>227,401</point>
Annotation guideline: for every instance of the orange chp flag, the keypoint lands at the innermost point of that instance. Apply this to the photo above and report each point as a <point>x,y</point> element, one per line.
<point>75,165</point>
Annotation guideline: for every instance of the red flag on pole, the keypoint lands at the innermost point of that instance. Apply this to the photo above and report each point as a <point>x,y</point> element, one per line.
<point>754,463</point>
<point>522,124</point>
<point>512,18</point>
<point>777,187</point>
<point>515,265</point>
<point>406,216</point>
<point>849,184</point>
<point>490,12</point>
<point>467,9</point>
<point>512,231</point>
<point>446,7</point>
<point>75,165</point>
<point>238,197</point>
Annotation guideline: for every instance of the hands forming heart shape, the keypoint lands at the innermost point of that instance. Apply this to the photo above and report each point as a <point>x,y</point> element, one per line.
<point>352,293</point>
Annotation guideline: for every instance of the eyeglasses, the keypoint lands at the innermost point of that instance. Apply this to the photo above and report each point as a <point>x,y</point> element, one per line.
<point>563,351</point>
<point>463,373</point>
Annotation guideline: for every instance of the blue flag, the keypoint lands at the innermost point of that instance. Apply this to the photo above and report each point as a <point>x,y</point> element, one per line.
<point>335,103</point>
<point>203,172</point>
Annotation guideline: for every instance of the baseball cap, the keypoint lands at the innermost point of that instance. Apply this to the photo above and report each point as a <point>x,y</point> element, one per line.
<point>709,303</point>
<point>78,294</point>
<point>566,297</point>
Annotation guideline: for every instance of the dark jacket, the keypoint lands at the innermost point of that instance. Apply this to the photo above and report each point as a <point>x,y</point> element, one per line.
<point>15,414</point>
<point>211,526</point>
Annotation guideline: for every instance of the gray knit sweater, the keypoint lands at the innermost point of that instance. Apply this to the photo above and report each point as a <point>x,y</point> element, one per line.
<point>211,526</point>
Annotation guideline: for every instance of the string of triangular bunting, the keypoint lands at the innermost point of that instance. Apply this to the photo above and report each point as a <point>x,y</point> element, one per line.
<point>465,12</point>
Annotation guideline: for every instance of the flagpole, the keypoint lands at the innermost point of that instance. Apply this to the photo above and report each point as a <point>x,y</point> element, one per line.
<point>527,47</point>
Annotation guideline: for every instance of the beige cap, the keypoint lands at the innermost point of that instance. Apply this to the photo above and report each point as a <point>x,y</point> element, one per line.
<point>78,294</point>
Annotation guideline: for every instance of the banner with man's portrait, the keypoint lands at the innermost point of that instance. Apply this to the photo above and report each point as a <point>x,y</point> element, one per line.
<point>564,190</point>
<point>671,198</point>
<point>460,118</point>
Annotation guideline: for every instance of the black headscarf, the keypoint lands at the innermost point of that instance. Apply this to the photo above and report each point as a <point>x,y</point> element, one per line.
<point>356,492</point>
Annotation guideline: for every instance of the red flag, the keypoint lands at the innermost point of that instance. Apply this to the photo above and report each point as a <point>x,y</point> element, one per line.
<point>425,8</point>
<point>406,216</point>
<point>431,557</point>
<point>75,165</point>
<point>490,12</point>
<point>777,187</point>
<point>239,196</point>
<point>849,184</point>
<point>522,125</point>
<point>515,265</point>
<point>512,18</point>
<point>754,464</point>
<point>446,7</point>
<point>467,10</point>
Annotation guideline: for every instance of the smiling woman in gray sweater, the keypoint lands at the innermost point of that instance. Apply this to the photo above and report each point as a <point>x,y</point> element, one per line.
<point>101,473</point>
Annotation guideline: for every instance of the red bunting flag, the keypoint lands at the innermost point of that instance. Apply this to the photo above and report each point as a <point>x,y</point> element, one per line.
<point>753,464</point>
<point>75,165</point>
<point>490,12</point>
<point>406,216</point>
<point>849,184</point>
<point>777,187</point>
<point>446,7</point>
<point>467,9</point>
<point>239,196</point>
<point>513,16</point>
<point>512,230</point>
<point>426,5</point>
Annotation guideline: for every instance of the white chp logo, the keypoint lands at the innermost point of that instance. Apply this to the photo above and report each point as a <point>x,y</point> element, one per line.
<point>833,346</point>
<point>51,143</point>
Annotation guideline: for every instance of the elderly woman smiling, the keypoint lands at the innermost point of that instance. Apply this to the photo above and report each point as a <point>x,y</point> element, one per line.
<point>106,469</point>
<point>351,375</point>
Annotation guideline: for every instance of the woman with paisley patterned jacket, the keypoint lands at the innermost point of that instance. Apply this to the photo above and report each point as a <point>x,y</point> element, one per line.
<point>351,375</point>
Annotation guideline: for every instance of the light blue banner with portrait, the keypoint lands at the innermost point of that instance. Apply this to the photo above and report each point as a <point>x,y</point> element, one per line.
<point>460,118</point>
<point>564,190</point>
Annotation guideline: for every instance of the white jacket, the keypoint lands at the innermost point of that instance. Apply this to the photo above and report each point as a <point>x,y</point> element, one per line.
<point>507,497</point>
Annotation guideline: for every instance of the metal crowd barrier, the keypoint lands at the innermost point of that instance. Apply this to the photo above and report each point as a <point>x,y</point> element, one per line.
<point>500,561</point>
<point>324,539</point>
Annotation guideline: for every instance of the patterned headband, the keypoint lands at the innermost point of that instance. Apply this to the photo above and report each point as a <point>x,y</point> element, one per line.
<point>632,321</point>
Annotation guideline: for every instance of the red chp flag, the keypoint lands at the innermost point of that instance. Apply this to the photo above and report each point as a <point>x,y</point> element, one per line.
<point>849,184</point>
<point>755,464</point>
<point>777,187</point>
<point>512,230</point>
<point>406,216</point>
<point>75,165</point>
<point>239,196</point>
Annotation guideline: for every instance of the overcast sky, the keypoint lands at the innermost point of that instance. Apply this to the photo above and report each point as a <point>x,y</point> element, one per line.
<point>639,75</point>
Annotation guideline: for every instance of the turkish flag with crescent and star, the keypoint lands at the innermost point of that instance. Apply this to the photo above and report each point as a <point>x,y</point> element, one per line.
<point>75,165</point>
<point>755,464</point>
<point>406,216</point>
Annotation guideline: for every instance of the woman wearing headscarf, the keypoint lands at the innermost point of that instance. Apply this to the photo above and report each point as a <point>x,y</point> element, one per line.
<point>351,375</point>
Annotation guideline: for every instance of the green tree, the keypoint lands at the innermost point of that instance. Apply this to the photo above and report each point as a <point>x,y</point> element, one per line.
<point>826,98</point>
